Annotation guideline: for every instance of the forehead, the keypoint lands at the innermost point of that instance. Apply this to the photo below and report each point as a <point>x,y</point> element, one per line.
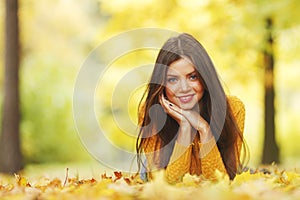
<point>183,66</point>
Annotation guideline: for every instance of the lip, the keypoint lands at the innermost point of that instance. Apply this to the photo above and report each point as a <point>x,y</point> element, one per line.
<point>185,98</point>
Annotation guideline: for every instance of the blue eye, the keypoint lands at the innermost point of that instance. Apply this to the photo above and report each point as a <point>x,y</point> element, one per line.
<point>193,77</point>
<point>172,80</point>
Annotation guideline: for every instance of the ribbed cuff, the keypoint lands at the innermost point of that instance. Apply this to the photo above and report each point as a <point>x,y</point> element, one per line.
<point>207,147</point>
<point>178,151</point>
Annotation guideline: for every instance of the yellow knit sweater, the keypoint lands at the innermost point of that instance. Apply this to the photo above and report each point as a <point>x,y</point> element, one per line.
<point>187,159</point>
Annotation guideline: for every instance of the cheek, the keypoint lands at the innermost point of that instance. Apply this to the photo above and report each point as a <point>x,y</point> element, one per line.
<point>170,93</point>
<point>199,89</point>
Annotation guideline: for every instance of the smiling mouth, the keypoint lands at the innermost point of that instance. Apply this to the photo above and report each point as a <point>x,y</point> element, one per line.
<point>186,99</point>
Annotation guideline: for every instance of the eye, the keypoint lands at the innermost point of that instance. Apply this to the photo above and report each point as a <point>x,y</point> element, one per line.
<point>193,77</point>
<point>172,80</point>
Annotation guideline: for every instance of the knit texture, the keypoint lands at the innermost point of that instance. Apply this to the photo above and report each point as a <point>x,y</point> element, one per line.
<point>188,159</point>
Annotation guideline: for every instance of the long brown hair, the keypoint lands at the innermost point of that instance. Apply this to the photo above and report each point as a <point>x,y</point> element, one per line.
<point>222,123</point>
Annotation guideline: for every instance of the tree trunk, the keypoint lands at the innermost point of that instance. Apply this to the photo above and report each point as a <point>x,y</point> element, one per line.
<point>10,153</point>
<point>270,148</point>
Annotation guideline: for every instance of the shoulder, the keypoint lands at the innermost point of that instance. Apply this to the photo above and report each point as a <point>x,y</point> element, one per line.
<point>238,110</point>
<point>236,104</point>
<point>235,101</point>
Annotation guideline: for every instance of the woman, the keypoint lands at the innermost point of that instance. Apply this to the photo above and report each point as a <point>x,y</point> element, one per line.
<point>188,124</point>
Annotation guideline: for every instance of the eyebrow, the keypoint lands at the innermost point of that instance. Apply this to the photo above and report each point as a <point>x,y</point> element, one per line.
<point>176,75</point>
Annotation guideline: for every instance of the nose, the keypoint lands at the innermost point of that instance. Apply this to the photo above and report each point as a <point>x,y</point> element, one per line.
<point>185,86</point>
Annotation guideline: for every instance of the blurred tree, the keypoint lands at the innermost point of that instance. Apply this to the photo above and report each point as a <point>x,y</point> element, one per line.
<point>10,154</point>
<point>277,17</point>
<point>270,148</point>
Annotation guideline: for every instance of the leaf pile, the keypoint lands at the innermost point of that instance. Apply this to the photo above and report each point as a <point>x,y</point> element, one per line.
<point>275,184</point>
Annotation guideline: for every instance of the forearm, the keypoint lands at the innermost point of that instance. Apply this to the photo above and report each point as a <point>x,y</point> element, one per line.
<point>211,159</point>
<point>180,159</point>
<point>179,163</point>
<point>185,136</point>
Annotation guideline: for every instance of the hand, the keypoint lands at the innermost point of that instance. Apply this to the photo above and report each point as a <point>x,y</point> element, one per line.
<point>174,111</point>
<point>198,123</point>
<point>185,133</point>
<point>193,118</point>
<point>187,119</point>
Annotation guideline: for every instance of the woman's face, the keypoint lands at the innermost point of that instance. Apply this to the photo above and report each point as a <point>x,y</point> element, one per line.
<point>183,87</point>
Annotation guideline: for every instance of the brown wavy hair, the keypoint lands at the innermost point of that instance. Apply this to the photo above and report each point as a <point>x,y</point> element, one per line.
<point>225,131</point>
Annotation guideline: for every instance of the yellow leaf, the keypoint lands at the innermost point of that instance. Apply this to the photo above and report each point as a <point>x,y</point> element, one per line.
<point>22,181</point>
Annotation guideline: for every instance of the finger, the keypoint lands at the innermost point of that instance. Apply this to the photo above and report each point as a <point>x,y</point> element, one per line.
<point>170,108</point>
<point>166,105</point>
<point>175,108</point>
<point>160,100</point>
<point>165,102</point>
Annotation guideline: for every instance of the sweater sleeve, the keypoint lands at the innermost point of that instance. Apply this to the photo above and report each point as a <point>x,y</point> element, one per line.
<point>238,109</point>
<point>211,159</point>
<point>151,150</point>
<point>179,163</point>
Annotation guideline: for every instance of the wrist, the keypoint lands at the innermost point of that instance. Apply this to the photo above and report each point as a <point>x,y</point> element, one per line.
<point>185,135</point>
<point>185,125</point>
<point>205,134</point>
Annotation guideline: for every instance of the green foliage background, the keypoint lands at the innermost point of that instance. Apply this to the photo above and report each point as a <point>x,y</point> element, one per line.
<point>57,36</point>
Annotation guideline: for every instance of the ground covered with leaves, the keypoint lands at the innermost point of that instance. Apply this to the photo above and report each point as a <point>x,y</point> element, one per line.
<point>269,183</point>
